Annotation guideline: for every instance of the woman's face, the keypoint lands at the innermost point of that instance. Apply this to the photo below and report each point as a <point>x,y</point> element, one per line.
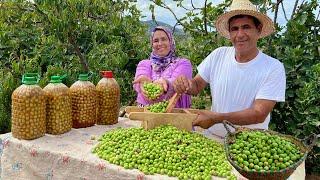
<point>160,43</point>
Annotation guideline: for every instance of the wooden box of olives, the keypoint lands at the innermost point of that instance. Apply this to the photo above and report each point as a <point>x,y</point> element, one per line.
<point>180,118</point>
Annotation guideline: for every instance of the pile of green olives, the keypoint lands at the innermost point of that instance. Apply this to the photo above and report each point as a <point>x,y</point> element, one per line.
<point>262,151</point>
<point>159,107</point>
<point>165,150</point>
<point>152,90</point>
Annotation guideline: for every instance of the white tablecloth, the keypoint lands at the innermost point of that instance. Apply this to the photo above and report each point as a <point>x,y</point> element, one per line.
<point>68,156</point>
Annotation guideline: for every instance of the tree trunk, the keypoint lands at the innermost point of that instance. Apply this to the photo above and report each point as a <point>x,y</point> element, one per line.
<point>76,48</point>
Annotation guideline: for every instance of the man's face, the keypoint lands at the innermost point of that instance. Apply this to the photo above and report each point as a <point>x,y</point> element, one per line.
<point>160,43</point>
<point>244,34</point>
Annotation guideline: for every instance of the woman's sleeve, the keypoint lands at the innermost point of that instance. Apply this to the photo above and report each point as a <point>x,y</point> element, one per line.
<point>183,68</point>
<point>143,68</point>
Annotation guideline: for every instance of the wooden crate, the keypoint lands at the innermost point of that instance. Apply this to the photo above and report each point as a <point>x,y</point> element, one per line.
<point>180,118</point>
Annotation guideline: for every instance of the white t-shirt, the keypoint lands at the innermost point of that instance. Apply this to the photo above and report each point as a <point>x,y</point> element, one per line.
<point>234,86</point>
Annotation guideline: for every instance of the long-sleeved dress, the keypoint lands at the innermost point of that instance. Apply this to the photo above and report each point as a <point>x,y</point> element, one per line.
<point>179,67</point>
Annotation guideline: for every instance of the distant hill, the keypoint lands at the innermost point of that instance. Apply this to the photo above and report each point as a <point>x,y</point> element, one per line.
<point>152,24</point>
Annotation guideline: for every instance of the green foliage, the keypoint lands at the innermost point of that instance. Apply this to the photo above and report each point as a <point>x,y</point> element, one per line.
<point>202,101</point>
<point>68,37</point>
<point>298,49</point>
<point>7,85</point>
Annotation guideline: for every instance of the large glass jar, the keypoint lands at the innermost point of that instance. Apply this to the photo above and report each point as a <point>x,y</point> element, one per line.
<point>108,99</point>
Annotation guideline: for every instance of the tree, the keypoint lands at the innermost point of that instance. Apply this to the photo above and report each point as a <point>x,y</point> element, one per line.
<point>68,37</point>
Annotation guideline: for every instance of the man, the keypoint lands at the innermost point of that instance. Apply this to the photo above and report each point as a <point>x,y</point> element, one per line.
<point>245,83</point>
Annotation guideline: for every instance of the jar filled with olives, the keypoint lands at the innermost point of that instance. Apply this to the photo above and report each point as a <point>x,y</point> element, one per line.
<point>108,99</point>
<point>28,109</point>
<point>83,100</point>
<point>59,114</point>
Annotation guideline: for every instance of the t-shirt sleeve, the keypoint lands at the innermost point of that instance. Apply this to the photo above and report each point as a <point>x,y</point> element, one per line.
<point>205,67</point>
<point>275,85</point>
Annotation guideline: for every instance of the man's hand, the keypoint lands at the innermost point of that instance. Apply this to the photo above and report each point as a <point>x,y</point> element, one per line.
<point>205,119</point>
<point>189,86</point>
<point>182,84</point>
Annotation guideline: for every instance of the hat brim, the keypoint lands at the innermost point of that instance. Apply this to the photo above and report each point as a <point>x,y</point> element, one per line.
<point>222,22</point>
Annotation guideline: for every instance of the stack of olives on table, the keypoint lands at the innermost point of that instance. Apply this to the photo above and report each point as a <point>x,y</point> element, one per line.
<point>152,90</point>
<point>165,150</point>
<point>159,107</point>
<point>262,151</point>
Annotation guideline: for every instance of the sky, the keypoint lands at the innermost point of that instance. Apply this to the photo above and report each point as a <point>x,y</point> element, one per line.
<point>166,16</point>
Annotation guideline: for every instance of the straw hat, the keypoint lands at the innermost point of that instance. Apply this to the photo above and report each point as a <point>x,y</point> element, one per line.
<point>244,7</point>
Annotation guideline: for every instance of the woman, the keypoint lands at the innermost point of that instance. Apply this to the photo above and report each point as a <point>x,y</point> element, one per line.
<point>163,67</point>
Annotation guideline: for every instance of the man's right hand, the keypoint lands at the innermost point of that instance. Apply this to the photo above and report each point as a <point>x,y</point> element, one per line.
<point>182,84</point>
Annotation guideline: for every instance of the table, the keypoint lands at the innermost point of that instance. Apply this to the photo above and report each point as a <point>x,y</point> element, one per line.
<point>68,156</point>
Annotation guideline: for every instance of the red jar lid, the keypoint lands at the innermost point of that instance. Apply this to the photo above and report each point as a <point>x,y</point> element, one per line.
<point>106,74</point>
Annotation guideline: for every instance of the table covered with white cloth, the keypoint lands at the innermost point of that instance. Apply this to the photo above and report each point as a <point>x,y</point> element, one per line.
<point>69,156</point>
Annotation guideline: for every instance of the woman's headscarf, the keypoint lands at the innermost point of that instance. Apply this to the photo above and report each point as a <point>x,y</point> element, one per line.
<point>160,63</point>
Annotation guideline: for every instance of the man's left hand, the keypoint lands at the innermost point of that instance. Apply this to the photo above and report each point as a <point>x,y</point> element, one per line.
<point>205,119</point>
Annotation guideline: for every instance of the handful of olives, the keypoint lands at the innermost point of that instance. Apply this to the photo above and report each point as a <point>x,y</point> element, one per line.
<point>165,150</point>
<point>152,90</point>
<point>159,107</point>
<point>262,151</point>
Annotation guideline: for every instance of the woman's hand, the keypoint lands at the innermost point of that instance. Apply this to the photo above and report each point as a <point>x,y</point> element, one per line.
<point>141,80</point>
<point>205,119</point>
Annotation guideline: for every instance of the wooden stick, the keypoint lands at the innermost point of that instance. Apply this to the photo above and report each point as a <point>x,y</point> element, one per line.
<point>172,102</point>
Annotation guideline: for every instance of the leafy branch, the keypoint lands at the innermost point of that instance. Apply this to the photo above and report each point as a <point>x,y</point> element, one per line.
<point>179,21</point>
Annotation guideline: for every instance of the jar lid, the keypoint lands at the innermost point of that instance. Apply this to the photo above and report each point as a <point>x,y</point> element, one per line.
<point>31,80</point>
<point>106,74</point>
<point>55,79</point>
<point>83,77</point>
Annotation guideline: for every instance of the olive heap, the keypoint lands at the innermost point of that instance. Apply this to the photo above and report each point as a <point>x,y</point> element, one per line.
<point>159,107</point>
<point>152,90</point>
<point>262,151</point>
<point>165,150</point>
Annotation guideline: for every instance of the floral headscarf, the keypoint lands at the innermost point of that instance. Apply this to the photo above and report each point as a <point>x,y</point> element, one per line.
<point>160,63</point>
